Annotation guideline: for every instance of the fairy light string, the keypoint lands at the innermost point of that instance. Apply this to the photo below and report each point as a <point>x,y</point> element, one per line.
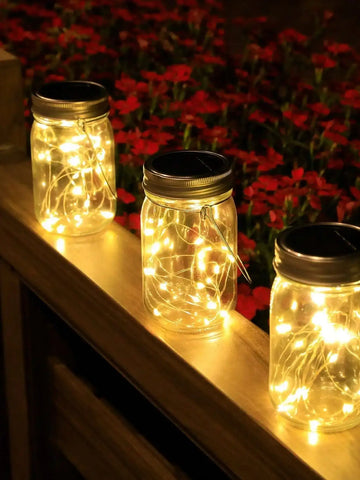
<point>315,377</point>
<point>188,264</point>
<point>78,193</point>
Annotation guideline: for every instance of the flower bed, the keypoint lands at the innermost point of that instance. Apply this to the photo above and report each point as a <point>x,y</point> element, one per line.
<point>285,108</point>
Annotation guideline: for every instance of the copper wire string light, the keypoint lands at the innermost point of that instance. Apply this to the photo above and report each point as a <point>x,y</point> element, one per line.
<point>189,240</point>
<point>72,150</point>
<point>315,330</point>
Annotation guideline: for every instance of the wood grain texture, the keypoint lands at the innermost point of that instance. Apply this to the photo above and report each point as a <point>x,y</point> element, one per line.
<point>120,451</point>
<point>12,131</point>
<point>15,376</point>
<point>214,390</point>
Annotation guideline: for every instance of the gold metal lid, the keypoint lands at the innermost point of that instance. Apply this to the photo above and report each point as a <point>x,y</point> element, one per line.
<point>185,174</point>
<point>324,253</point>
<point>70,100</point>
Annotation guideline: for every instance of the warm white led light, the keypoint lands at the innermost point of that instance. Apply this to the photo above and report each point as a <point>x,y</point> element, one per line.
<point>315,361</point>
<point>187,277</point>
<point>283,328</point>
<point>72,194</point>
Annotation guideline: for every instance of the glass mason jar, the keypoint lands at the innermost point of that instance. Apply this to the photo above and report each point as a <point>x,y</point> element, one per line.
<point>72,154</point>
<point>315,326</point>
<point>189,240</point>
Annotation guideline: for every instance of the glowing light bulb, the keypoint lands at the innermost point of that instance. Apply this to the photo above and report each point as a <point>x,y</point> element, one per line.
<point>299,344</point>
<point>283,328</point>
<point>155,248</point>
<point>211,305</point>
<point>318,298</point>
<point>313,438</point>
<point>149,271</point>
<point>69,147</point>
<point>282,387</point>
<point>348,408</point>
<point>333,357</point>
<point>294,306</point>
<point>77,190</point>
<point>314,425</point>
<point>104,213</point>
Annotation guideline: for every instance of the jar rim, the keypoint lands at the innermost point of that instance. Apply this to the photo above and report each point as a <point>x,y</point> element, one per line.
<point>323,253</point>
<point>186,174</point>
<point>75,99</point>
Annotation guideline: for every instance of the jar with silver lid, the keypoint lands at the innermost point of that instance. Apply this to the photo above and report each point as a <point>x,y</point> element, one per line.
<point>189,240</point>
<point>72,154</point>
<point>315,326</point>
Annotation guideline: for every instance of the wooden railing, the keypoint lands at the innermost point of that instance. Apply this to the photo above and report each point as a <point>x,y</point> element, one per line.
<point>211,393</point>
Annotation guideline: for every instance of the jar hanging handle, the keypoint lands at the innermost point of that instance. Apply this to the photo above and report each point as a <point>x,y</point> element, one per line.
<point>82,125</point>
<point>206,212</point>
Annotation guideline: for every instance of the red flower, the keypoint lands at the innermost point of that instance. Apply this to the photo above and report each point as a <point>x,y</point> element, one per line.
<point>121,219</point>
<point>258,116</point>
<point>266,182</point>
<point>130,86</point>
<point>263,53</point>
<point>194,120</point>
<point>210,59</point>
<point>322,61</point>
<point>351,97</point>
<point>259,208</point>
<point>336,137</point>
<point>134,221</point>
<point>262,297</point>
<point>178,73</point>
<point>355,192</point>
<point>315,202</point>
<point>245,243</point>
<point>297,174</point>
<point>144,147</point>
<point>276,220</point>
<point>336,48</point>
<point>128,105</point>
<point>216,134</point>
<point>272,160</point>
<point>249,301</point>
<point>246,304</point>
<point>290,35</point>
<point>201,103</point>
<point>319,108</point>
<point>124,196</point>
<point>297,118</point>
<point>334,126</point>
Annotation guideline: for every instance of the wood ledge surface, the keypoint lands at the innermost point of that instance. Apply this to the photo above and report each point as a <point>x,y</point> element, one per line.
<point>214,390</point>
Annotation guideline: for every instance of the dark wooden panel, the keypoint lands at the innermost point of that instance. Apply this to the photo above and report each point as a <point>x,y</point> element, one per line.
<point>99,442</point>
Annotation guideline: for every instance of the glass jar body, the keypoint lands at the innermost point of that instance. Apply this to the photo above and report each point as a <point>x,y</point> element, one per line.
<point>73,170</point>
<point>189,273</point>
<point>314,377</point>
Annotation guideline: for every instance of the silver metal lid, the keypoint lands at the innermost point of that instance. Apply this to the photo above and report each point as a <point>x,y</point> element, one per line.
<point>70,100</point>
<point>185,174</point>
<point>326,253</point>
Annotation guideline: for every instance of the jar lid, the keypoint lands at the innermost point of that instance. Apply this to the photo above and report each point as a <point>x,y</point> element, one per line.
<point>185,174</point>
<point>70,100</point>
<point>326,253</point>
